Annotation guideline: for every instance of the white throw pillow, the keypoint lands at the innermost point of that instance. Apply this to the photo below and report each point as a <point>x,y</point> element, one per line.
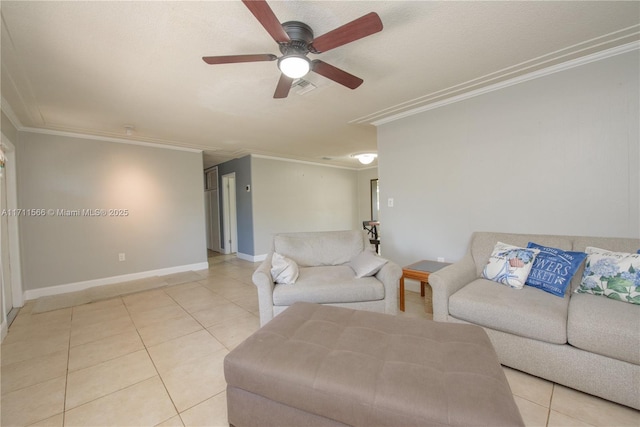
<point>510,265</point>
<point>284,270</point>
<point>367,263</point>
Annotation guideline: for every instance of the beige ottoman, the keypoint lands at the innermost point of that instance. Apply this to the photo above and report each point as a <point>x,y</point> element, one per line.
<point>316,365</point>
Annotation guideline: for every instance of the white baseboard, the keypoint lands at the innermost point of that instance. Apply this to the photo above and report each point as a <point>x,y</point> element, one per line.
<point>81,286</point>
<point>251,258</point>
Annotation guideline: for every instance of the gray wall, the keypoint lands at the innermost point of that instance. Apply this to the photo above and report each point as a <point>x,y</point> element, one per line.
<point>161,188</point>
<point>242,169</point>
<point>559,155</point>
<point>294,196</point>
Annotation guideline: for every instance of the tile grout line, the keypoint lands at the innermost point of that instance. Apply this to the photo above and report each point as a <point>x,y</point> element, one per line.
<point>200,323</point>
<point>553,389</point>
<point>66,377</point>
<point>64,414</point>
<point>205,329</point>
<point>146,349</point>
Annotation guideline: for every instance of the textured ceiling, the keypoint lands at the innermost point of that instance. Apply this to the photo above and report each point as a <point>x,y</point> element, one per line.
<point>93,67</point>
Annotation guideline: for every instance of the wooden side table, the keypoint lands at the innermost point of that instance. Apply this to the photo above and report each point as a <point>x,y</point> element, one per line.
<point>419,271</point>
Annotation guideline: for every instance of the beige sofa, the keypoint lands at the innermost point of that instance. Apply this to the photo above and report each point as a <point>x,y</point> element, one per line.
<point>586,342</point>
<point>325,275</point>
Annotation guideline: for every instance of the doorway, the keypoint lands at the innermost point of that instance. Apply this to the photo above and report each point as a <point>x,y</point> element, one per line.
<point>10,277</point>
<point>375,200</point>
<point>212,209</point>
<point>229,214</point>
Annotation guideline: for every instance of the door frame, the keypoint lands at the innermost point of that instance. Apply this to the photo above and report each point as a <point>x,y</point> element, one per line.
<point>17,295</point>
<point>212,204</point>
<point>229,214</point>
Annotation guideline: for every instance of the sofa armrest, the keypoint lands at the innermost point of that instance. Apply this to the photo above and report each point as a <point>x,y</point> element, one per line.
<point>390,275</point>
<point>448,281</point>
<point>264,282</point>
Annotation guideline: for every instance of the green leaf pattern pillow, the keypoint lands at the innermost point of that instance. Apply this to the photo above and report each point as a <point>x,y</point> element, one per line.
<point>615,275</point>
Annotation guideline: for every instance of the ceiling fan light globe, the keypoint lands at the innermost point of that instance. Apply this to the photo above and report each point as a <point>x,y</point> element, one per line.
<point>294,66</point>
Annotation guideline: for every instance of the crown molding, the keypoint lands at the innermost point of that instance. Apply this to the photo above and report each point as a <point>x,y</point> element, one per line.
<point>426,103</point>
<point>166,146</point>
<point>8,111</point>
<point>304,162</point>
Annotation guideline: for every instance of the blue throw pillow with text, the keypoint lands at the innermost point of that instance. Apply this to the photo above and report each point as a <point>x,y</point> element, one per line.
<point>553,269</point>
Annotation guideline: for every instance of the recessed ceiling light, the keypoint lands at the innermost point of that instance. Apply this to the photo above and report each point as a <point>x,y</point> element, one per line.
<point>365,158</point>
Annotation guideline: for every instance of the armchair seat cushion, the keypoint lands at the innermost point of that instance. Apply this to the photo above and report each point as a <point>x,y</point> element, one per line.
<point>329,285</point>
<point>528,312</point>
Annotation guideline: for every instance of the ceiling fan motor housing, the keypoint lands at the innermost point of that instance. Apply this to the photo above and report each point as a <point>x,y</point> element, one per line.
<point>301,36</point>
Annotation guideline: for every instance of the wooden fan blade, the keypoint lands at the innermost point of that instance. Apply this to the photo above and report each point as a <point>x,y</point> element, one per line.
<point>268,19</point>
<point>336,74</point>
<point>354,30</point>
<point>232,59</point>
<point>284,85</point>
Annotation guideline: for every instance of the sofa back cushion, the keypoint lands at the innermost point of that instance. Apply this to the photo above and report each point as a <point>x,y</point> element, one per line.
<point>482,244</point>
<point>312,249</point>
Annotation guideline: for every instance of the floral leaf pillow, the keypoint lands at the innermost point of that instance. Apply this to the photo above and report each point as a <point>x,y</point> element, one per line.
<point>509,265</point>
<point>615,275</point>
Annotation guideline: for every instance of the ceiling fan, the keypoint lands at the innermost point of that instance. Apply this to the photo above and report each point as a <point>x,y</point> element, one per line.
<point>296,40</point>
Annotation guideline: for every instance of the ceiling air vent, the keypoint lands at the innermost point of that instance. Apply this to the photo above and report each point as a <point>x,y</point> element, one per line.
<point>302,86</point>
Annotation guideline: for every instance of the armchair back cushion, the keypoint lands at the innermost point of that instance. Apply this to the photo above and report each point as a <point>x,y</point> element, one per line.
<point>316,249</point>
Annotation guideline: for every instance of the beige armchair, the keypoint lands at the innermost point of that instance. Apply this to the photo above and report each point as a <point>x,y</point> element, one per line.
<point>326,263</point>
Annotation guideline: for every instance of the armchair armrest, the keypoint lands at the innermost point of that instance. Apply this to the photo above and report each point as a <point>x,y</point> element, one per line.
<point>264,282</point>
<point>389,275</point>
<point>448,281</point>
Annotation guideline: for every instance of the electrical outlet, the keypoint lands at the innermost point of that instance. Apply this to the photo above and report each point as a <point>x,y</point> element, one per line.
<point>121,256</point>
<point>390,202</point>
<point>440,259</point>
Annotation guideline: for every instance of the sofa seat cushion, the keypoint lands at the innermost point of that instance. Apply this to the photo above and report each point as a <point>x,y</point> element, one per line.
<point>329,285</point>
<point>605,327</point>
<point>527,312</point>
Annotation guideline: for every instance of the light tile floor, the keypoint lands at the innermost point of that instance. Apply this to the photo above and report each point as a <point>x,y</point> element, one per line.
<point>155,358</point>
